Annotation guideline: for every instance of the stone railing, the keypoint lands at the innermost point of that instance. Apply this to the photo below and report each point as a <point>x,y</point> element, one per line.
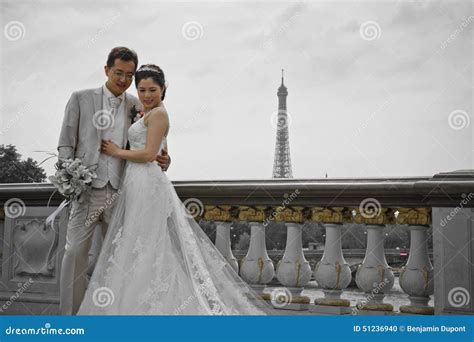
<point>32,252</point>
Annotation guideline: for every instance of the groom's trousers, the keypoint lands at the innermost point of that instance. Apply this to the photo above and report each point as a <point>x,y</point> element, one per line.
<point>95,206</point>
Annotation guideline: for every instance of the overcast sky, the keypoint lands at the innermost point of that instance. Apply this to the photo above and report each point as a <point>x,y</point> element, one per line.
<point>376,89</point>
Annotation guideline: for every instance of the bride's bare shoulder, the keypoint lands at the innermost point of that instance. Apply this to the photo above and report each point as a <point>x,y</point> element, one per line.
<point>158,113</point>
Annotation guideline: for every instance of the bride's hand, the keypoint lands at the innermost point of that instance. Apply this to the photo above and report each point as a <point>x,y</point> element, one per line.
<point>110,148</point>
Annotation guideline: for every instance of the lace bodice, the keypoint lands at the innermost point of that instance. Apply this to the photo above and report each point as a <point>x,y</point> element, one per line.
<point>137,136</point>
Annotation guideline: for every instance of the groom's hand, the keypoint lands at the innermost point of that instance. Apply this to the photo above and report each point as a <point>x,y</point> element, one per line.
<point>164,160</point>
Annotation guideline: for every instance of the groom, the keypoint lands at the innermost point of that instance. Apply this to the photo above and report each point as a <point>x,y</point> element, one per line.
<point>90,116</point>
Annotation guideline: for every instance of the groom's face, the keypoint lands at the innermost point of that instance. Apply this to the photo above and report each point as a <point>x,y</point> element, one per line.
<point>120,76</point>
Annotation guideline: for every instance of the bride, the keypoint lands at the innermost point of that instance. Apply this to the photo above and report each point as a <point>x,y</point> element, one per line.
<point>155,259</point>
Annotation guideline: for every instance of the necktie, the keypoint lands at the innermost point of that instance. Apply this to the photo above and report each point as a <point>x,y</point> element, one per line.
<point>114,103</point>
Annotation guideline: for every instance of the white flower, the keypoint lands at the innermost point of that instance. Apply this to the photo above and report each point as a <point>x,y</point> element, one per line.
<point>73,178</point>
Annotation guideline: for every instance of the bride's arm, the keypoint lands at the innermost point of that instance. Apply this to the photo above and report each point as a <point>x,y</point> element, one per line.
<point>157,125</point>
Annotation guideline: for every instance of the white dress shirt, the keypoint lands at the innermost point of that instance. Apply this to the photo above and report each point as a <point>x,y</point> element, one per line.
<point>109,168</point>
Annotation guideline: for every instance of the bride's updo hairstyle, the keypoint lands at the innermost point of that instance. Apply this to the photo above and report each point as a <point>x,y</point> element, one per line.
<point>155,73</point>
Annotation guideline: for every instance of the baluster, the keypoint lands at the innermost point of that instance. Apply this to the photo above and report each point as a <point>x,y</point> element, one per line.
<point>293,270</point>
<point>416,277</point>
<point>374,276</point>
<point>223,243</point>
<point>333,274</point>
<point>256,268</point>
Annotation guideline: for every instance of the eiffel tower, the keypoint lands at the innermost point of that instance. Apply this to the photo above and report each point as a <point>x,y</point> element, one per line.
<point>282,162</point>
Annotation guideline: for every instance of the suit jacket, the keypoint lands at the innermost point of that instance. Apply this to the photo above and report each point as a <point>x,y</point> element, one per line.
<point>79,137</point>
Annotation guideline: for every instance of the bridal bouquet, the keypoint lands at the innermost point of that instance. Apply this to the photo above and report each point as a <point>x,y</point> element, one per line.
<point>72,178</point>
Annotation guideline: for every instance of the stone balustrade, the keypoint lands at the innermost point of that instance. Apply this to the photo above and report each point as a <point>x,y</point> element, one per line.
<point>32,252</point>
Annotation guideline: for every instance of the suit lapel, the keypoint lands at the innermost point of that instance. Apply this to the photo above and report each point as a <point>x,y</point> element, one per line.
<point>98,96</point>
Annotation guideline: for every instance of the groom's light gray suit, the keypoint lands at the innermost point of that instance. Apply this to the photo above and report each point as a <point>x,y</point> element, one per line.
<point>81,138</point>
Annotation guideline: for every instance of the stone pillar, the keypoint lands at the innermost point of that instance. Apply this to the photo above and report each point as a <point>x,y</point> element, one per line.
<point>223,243</point>
<point>333,274</point>
<point>453,257</point>
<point>416,278</point>
<point>293,270</point>
<point>256,268</point>
<point>374,276</point>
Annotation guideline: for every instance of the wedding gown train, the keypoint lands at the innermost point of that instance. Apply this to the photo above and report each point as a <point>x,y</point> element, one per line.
<point>155,258</point>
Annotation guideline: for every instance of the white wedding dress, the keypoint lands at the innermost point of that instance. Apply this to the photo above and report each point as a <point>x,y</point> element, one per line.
<point>155,258</point>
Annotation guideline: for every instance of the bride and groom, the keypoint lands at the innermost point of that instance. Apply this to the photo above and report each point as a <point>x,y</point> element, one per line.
<point>154,259</point>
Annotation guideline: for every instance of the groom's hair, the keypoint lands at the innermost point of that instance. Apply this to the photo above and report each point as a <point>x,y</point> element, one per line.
<point>123,53</point>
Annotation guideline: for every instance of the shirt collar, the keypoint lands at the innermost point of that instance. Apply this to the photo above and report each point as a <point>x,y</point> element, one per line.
<point>108,93</point>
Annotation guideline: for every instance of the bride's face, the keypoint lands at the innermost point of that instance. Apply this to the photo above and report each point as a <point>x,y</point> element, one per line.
<point>149,93</point>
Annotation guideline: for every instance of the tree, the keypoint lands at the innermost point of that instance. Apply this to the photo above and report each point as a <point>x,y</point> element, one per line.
<point>15,170</point>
